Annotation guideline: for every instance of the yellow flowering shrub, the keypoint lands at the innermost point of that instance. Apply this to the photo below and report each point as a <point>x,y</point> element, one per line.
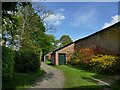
<point>105,63</point>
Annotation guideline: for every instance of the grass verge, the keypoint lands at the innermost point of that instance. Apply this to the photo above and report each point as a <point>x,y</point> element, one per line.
<point>78,78</point>
<point>21,81</point>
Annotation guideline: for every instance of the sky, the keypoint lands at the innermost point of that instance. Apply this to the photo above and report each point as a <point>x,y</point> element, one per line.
<point>80,19</point>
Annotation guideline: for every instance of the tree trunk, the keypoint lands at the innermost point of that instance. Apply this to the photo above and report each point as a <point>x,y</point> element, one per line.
<point>22,32</point>
<point>40,57</point>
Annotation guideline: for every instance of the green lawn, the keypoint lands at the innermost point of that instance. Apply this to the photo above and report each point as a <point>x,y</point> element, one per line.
<point>78,78</point>
<point>48,62</point>
<point>22,81</point>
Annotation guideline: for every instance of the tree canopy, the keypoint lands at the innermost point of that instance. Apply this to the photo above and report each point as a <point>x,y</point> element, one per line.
<point>64,40</point>
<point>23,27</point>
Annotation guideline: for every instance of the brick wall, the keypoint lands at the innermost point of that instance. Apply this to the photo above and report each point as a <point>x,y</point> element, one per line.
<point>108,39</point>
<point>53,58</point>
<point>68,50</point>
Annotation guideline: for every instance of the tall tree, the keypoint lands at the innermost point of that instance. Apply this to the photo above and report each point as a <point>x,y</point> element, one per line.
<point>9,22</point>
<point>55,44</point>
<point>28,30</point>
<point>64,40</point>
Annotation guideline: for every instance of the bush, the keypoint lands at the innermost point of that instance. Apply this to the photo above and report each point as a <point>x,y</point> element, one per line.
<point>26,61</point>
<point>88,58</point>
<point>106,64</point>
<point>7,63</point>
<point>82,58</point>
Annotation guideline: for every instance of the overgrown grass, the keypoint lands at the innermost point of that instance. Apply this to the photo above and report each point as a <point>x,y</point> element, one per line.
<point>22,80</point>
<point>78,78</point>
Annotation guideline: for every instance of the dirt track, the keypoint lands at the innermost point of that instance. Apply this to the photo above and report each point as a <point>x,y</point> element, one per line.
<point>53,78</point>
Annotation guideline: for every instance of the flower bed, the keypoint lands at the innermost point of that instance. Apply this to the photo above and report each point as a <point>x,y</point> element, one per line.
<point>88,58</point>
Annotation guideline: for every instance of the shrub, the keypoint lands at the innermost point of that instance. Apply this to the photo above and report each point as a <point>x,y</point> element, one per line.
<point>88,58</point>
<point>87,54</point>
<point>26,61</point>
<point>7,63</point>
<point>105,64</point>
<point>82,58</point>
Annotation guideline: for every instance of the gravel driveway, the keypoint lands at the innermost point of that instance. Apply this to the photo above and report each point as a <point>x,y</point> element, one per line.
<point>53,78</point>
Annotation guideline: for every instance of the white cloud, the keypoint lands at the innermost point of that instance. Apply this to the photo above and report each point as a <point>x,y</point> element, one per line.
<point>83,17</point>
<point>61,9</point>
<point>55,19</point>
<point>114,20</point>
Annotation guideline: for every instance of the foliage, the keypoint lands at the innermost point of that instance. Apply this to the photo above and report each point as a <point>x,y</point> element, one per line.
<point>55,44</point>
<point>64,40</point>
<point>32,34</point>
<point>26,61</point>
<point>10,22</point>
<point>30,27</point>
<point>105,64</point>
<point>21,81</point>
<point>47,41</point>
<point>7,63</point>
<point>87,54</point>
<point>82,57</point>
<point>8,6</point>
<point>88,58</point>
<point>24,27</point>
<point>48,62</point>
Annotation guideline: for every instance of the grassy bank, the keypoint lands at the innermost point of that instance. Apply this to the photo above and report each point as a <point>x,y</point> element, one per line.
<point>22,80</point>
<point>78,78</point>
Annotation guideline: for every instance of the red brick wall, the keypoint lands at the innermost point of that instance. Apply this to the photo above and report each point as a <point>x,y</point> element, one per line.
<point>68,50</point>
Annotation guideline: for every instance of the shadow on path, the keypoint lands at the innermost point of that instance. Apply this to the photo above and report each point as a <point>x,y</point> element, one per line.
<point>53,78</point>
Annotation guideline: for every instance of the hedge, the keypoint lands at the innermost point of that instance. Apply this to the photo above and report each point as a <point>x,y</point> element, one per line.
<point>7,63</point>
<point>26,61</point>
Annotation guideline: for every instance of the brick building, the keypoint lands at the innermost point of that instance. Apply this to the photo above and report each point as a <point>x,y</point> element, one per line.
<point>108,39</point>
